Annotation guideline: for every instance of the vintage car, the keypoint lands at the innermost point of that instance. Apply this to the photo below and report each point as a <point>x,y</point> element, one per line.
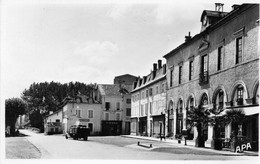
<point>78,131</point>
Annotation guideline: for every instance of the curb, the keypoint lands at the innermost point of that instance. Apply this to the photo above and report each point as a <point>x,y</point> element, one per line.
<point>224,152</point>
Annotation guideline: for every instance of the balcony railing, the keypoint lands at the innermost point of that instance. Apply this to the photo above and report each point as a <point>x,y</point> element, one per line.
<point>204,78</point>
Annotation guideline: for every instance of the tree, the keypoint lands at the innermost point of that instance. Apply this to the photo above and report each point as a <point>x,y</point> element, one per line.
<point>13,108</point>
<point>47,96</point>
<point>199,117</point>
<point>237,118</point>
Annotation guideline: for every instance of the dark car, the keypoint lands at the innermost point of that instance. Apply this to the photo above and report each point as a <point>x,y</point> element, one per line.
<point>78,131</point>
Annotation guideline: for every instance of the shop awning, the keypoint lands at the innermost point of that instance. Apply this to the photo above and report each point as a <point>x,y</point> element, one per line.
<point>251,110</point>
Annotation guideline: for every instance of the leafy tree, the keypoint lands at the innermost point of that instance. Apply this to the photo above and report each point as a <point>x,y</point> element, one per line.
<point>47,96</point>
<point>199,117</point>
<point>13,108</point>
<point>237,118</point>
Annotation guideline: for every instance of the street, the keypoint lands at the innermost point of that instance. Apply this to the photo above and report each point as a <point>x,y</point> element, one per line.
<point>119,148</point>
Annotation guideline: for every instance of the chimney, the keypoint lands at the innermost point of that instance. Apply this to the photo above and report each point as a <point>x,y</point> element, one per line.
<point>219,7</point>
<point>154,67</point>
<point>235,6</point>
<point>159,64</point>
<point>187,38</point>
<point>164,68</point>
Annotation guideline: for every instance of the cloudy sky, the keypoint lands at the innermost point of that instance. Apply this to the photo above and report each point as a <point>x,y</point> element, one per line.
<point>76,40</point>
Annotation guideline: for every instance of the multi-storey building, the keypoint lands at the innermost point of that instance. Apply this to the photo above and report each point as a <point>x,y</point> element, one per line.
<point>116,105</point>
<point>80,110</point>
<point>217,69</point>
<point>149,103</point>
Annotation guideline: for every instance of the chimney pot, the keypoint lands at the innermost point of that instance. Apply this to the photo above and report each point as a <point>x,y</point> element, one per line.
<point>187,38</point>
<point>154,67</point>
<point>159,64</point>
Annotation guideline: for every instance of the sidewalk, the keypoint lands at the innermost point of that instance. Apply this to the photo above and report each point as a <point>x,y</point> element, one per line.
<point>191,145</point>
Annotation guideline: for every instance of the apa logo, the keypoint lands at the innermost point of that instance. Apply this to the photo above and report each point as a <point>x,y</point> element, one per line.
<point>243,147</point>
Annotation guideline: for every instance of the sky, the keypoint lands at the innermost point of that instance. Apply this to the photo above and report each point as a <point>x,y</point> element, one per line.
<point>90,42</point>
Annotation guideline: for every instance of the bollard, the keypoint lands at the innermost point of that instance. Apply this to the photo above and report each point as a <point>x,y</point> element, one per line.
<point>138,143</point>
<point>151,145</point>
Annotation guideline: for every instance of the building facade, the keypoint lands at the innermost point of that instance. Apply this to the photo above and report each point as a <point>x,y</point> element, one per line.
<point>80,110</point>
<point>149,103</point>
<point>217,69</point>
<point>116,105</point>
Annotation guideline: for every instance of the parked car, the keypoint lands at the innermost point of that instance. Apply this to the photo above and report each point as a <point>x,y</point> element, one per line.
<point>78,131</point>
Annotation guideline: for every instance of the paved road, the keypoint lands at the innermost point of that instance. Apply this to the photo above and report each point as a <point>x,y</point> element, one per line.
<point>116,147</point>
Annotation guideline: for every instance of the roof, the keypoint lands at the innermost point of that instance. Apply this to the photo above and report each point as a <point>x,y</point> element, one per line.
<point>148,80</point>
<point>57,111</point>
<point>113,89</point>
<point>227,17</point>
<point>215,14</point>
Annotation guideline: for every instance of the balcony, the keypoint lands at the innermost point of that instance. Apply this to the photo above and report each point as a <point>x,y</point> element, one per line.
<point>204,78</point>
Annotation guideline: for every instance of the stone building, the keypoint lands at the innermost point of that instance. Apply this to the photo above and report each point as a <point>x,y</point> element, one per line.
<point>80,110</point>
<point>217,69</point>
<point>149,103</point>
<point>116,105</point>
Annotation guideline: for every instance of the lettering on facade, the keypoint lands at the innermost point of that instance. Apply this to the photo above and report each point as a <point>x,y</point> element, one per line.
<point>242,147</point>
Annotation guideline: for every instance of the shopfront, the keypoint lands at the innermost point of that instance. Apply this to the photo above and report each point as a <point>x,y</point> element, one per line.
<point>158,125</point>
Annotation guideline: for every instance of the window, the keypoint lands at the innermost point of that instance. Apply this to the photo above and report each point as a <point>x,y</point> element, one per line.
<point>77,112</point>
<point>146,108</point>
<point>150,91</point>
<point>220,99</point>
<point>118,116</point>
<point>157,89</point>
<point>204,63</point>
<point>151,107</point>
<point>90,125</point>
<point>240,90</point>
<point>171,77</point>
<point>118,106</point>
<point>180,74</point>
<point>239,50</point>
<point>143,95</point>
<point>106,116</point>
<point>128,111</point>
<point>203,78</point>
<point>146,95</point>
<point>90,114</point>
<point>128,101</point>
<point>107,105</point>
<point>142,110</point>
<point>220,57</point>
<point>163,86</point>
<point>191,102</point>
<point>191,70</point>
<point>57,120</point>
<point>180,107</point>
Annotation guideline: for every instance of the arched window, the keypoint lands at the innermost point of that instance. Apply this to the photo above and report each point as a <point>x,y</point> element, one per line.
<point>204,99</point>
<point>219,100</point>
<point>239,96</point>
<point>180,106</point>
